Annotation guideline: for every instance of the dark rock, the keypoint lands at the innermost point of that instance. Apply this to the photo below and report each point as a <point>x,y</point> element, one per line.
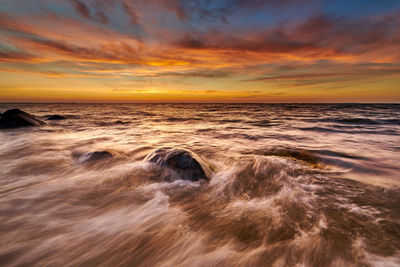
<point>14,118</point>
<point>55,117</point>
<point>95,156</point>
<point>185,163</point>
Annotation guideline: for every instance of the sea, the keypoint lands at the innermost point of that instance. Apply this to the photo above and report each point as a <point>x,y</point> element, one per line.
<point>290,185</point>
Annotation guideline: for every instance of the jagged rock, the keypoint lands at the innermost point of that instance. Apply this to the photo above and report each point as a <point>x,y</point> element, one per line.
<point>14,118</point>
<point>185,163</point>
<point>55,117</point>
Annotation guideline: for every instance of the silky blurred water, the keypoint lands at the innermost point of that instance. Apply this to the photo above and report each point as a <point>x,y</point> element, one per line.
<point>292,185</point>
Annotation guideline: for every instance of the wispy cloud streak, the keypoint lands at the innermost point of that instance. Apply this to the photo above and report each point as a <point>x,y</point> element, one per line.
<point>269,45</point>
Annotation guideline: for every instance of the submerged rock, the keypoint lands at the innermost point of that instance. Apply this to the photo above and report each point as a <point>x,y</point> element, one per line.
<point>95,156</point>
<point>298,154</point>
<point>55,117</point>
<point>185,163</point>
<point>14,118</point>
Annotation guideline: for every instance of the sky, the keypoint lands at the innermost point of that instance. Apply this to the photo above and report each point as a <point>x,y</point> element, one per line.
<point>200,51</point>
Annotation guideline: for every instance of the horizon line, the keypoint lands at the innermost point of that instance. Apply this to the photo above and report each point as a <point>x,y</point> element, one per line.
<point>73,102</point>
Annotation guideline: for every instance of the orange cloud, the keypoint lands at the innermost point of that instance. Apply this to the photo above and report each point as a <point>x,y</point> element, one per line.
<point>166,46</point>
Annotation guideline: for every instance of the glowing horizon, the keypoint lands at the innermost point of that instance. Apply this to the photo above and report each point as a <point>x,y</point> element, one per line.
<point>199,51</point>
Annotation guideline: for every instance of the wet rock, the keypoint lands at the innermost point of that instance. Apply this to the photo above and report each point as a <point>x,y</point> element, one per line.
<point>95,156</point>
<point>298,154</point>
<point>14,118</point>
<point>55,117</point>
<point>185,163</point>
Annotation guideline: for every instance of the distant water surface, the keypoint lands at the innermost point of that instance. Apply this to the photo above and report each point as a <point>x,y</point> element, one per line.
<point>292,184</point>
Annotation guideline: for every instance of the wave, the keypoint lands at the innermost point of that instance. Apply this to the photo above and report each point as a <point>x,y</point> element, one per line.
<point>261,206</point>
<point>174,119</point>
<point>293,153</point>
<point>277,196</point>
<point>352,121</point>
<point>230,120</point>
<point>359,121</point>
<point>263,123</point>
<point>350,131</point>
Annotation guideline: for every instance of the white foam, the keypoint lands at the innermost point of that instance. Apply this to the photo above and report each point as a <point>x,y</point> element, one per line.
<point>129,216</point>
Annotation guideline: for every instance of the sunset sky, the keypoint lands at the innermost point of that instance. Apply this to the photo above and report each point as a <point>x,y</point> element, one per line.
<point>199,51</point>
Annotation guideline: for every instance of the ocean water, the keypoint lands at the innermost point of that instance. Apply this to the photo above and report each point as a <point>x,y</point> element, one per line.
<point>291,185</point>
